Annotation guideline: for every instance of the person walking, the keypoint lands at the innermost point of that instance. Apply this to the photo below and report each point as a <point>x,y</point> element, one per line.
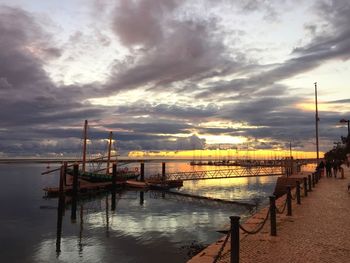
<point>335,165</point>
<point>328,168</point>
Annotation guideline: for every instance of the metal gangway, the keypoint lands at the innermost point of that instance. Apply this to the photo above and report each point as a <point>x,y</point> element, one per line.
<point>252,171</point>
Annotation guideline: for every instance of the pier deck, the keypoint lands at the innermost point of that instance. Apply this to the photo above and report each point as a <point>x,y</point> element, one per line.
<point>318,231</point>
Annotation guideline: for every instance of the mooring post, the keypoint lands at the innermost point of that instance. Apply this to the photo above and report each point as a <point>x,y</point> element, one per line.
<point>273,228</point>
<point>65,164</point>
<point>305,186</point>
<point>309,183</point>
<point>142,198</point>
<point>289,201</point>
<point>235,239</point>
<point>298,192</point>
<point>163,171</point>
<point>142,171</point>
<point>75,178</point>
<point>61,182</point>
<point>60,209</point>
<point>74,193</point>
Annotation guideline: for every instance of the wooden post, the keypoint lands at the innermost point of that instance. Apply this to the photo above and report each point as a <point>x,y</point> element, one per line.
<point>142,171</point>
<point>289,201</point>
<point>235,239</point>
<point>75,179</point>
<point>60,210</point>
<point>61,188</point>
<point>142,199</point>
<point>298,193</point>
<point>163,171</point>
<point>65,173</point>
<point>74,193</point>
<point>273,228</point>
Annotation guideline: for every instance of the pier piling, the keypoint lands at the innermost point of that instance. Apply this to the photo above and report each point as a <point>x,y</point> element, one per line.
<point>163,171</point>
<point>114,176</point>
<point>142,171</point>
<point>65,164</point>
<point>74,193</point>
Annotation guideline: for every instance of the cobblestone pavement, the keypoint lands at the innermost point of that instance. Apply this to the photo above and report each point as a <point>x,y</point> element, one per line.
<point>318,231</point>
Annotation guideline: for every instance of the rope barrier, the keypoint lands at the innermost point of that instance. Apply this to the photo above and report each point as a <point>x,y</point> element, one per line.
<point>293,197</point>
<point>284,208</point>
<point>258,228</point>
<point>218,256</point>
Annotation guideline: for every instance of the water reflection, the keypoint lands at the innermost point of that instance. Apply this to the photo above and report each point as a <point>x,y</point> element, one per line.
<point>118,226</point>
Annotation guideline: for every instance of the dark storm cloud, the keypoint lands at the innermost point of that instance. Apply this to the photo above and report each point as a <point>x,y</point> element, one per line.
<point>180,112</point>
<point>164,49</point>
<point>153,127</point>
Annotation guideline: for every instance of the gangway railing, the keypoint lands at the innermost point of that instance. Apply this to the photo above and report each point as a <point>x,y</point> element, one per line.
<point>253,171</point>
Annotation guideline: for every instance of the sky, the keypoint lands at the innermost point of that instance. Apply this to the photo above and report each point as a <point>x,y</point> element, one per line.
<point>172,75</point>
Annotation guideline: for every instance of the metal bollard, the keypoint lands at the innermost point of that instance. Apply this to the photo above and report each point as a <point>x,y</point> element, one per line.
<point>273,228</point>
<point>298,193</point>
<point>235,239</point>
<point>142,171</point>
<point>305,186</point>
<point>289,201</point>
<point>309,183</point>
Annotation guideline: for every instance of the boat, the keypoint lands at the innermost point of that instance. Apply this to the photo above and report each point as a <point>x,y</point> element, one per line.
<point>104,174</point>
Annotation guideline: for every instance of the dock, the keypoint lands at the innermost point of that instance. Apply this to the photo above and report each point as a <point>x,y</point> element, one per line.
<point>317,231</point>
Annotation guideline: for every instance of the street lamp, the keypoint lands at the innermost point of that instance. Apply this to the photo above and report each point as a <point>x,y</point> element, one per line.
<point>346,121</point>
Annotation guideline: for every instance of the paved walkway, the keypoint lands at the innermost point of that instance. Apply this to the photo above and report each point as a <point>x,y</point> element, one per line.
<point>318,231</point>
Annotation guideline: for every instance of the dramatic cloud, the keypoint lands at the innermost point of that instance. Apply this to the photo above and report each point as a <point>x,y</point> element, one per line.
<point>166,75</point>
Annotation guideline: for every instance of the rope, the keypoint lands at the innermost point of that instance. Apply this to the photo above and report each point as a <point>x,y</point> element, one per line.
<point>293,197</point>
<point>218,256</point>
<point>257,230</point>
<point>284,208</point>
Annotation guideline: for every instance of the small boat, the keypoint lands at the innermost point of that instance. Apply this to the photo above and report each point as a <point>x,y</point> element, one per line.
<point>102,175</point>
<point>136,184</point>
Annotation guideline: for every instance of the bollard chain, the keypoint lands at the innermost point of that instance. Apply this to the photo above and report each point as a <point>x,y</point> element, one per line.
<point>219,255</point>
<point>284,208</point>
<point>257,230</point>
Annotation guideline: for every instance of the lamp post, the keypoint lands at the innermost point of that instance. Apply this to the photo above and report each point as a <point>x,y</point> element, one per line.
<point>346,121</point>
<point>316,122</point>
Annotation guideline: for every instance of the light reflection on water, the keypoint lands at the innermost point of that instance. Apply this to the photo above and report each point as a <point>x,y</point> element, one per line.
<point>141,225</point>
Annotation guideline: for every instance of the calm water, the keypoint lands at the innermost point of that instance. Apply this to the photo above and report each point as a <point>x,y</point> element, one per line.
<point>144,227</point>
